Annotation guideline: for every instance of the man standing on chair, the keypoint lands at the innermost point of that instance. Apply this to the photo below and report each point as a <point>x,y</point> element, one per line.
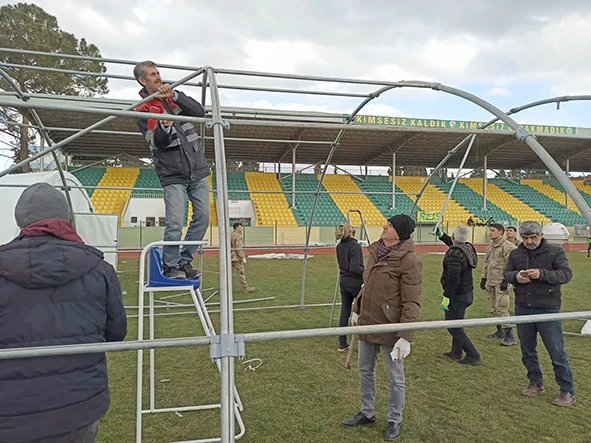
<point>238,257</point>
<point>179,159</point>
<point>493,281</point>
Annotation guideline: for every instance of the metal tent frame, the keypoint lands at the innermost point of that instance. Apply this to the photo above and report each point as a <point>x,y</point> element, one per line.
<point>227,346</point>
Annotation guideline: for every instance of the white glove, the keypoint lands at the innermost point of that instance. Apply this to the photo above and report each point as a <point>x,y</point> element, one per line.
<point>401,350</point>
<point>244,260</point>
<point>354,319</point>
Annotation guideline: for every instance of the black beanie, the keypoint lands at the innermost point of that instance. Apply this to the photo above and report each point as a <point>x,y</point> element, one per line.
<point>403,224</point>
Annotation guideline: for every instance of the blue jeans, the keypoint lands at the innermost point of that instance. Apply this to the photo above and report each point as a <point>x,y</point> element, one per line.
<point>175,204</point>
<point>368,357</point>
<point>553,339</point>
<point>87,434</point>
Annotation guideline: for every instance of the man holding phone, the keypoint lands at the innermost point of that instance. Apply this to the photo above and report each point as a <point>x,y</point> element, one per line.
<point>538,269</point>
<point>179,159</point>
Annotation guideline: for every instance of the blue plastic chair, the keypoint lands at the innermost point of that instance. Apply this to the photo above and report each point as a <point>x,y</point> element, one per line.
<point>156,278</point>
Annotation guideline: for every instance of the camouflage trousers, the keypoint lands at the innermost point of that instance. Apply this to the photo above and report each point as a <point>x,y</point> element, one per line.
<point>238,266</point>
<point>499,303</point>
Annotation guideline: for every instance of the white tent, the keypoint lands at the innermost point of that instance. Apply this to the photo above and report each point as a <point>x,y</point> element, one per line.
<point>98,230</point>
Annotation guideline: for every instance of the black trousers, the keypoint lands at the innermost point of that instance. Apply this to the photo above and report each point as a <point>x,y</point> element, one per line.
<point>460,342</point>
<point>349,290</point>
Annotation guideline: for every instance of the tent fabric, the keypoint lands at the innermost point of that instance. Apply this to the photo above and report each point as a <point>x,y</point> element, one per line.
<point>94,229</point>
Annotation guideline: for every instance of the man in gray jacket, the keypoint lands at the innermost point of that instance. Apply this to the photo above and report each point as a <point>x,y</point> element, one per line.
<point>179,159</point>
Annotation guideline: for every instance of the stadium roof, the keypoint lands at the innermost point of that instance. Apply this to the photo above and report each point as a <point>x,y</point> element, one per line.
<point>268,136</point>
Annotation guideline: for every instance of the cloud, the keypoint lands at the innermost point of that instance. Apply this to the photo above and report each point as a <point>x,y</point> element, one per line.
<point>498,91</point>
<point>532,52</point>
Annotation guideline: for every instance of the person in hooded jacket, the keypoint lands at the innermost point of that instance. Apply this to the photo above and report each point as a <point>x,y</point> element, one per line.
<point>458,291</point>
<point>350,260</point>
<point>390,294</point>
<point>54,290</point>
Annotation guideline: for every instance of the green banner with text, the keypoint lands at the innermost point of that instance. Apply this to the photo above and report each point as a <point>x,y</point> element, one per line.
<point>427,217</point>
<point>456,124</point>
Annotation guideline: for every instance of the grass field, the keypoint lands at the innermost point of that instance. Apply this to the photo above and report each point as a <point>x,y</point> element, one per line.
<point>301,392</point>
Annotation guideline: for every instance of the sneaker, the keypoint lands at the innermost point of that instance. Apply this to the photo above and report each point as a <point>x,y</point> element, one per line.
<point>174,273</point>
<point>452,356</point>
<point>500,334</point>
<point>564,399</point>
<point>509,339</point>
<point>249,290</point>
<point>473,361</point>
<point>359,420</point>
<point>392,431</point>
<point>190,272</point>
<point>532,390</point>
<point>343,348</point>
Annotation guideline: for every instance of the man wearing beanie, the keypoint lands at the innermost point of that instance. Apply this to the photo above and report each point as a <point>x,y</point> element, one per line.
<point>54,290</point>
<point>390,294</point>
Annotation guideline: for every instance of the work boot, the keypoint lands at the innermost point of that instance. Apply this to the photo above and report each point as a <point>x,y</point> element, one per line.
<point>174,273</point>
<point>509,338</point>
<point>472,361</point>
<point>190,272</point>
<point>564,399</point>
<point>392,431</point>
<point>359,420</point>
<point>452,356</point>
<point>499,334</point>
<point>249,289</point>
<point>533,389</point>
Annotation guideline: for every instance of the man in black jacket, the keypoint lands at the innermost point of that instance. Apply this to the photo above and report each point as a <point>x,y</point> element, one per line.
<point>538,269</point>
<point>179,159</point>
<point>54,290</point>
<point>458,291</point>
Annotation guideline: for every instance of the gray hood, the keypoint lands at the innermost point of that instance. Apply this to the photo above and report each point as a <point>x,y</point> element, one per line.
<point>469,252</point>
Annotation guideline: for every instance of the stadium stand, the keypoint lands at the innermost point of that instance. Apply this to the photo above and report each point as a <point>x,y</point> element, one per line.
<point>326,214</point>
<point>433,199</point>
<point>109,201</point>
<point>271,209</point>
<point>541,203</point>
<point>345,202</point>
<point>88,177</point>
<point>378,183</point>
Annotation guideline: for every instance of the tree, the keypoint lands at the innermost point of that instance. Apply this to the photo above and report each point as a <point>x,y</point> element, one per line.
<point>27,26</point>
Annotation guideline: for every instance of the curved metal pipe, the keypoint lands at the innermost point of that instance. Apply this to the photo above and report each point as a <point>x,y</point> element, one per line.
<point>319,188</point>
<point>93,127</point>
<point>45,135</point>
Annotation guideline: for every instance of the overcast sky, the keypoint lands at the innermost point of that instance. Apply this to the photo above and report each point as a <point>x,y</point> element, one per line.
<point>508,52</point>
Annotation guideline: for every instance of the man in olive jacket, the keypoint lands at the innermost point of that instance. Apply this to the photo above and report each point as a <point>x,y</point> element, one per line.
<point>538,269</point>
<point>390,294</point>
<point>495,260</point>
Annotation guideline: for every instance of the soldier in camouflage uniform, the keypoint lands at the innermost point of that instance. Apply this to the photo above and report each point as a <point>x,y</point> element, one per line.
<point>511,234</point>
<point>238,258</point>
<point>493,281</point>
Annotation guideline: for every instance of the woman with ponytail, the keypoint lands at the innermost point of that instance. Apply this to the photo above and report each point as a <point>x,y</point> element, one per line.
<point>350,259</point>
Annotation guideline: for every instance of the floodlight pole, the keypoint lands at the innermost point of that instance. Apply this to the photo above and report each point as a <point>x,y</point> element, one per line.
<point>484,181</point>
